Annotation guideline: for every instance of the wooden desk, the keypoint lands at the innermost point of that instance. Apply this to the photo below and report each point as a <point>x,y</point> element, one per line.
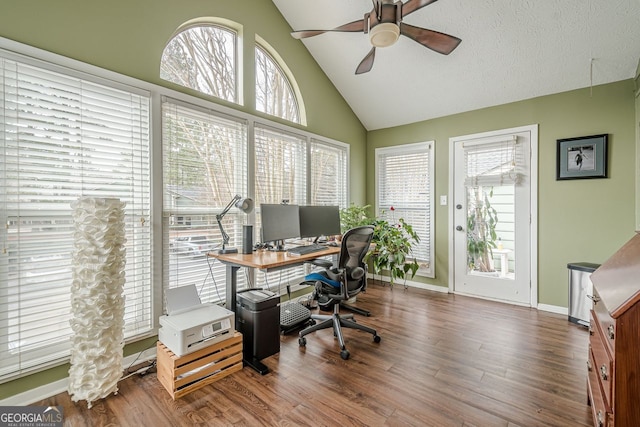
<point>262,260</point>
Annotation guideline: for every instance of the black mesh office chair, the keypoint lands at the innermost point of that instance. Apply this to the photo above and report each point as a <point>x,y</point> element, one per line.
<point>334,285</point>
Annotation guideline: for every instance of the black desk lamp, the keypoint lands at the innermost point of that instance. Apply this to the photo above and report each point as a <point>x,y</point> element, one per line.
<point>246,206</point>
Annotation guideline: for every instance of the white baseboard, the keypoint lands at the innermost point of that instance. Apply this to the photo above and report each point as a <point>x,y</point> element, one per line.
<point>60,386</point>
<point>554,309</point>
<point>411,284</point>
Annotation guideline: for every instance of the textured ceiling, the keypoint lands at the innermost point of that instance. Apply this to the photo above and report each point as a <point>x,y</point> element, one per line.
<point>510,50</point>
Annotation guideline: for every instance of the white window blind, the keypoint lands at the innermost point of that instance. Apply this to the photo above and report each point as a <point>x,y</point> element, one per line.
<point>328,174</point>
<point>205,166</point>
<point>280,174</point>
<point>64,135</point>
<point>405,182</point>
<point>493,164</point>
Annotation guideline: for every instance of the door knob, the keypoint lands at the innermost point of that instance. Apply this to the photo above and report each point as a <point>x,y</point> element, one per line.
<point>459,228</point>
<point>458,206</point>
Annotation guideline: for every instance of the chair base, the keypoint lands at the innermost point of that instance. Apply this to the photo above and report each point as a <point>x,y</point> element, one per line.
<point>337,322</point>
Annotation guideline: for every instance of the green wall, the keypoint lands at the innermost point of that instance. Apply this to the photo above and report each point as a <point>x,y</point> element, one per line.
<point>578,220</point>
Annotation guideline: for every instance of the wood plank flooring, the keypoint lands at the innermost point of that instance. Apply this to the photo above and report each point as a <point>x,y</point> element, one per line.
<point>444,360</point>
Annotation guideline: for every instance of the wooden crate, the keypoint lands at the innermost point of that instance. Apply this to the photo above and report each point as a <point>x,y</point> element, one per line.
<point>182,375</point>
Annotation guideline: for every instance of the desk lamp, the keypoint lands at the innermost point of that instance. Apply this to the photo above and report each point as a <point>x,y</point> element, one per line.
<point>246,206</point>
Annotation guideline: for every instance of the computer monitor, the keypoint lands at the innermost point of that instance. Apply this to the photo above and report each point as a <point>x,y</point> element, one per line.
<point>316,221</point>
<point>279,222</point>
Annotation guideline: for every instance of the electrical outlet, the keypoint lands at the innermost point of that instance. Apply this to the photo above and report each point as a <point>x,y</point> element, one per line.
<point>443,200</point>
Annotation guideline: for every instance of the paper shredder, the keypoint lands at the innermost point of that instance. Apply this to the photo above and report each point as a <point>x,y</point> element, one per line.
<point>258,314</point>
<point>580,288</point>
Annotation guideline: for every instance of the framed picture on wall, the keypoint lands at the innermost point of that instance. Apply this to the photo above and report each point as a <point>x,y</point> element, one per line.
<point>582,157</point>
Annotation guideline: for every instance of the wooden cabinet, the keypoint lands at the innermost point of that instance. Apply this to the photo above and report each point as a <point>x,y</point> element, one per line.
<point>613,380</point>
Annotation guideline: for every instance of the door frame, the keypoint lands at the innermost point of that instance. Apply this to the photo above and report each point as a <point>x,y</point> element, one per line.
<point>533,226</point>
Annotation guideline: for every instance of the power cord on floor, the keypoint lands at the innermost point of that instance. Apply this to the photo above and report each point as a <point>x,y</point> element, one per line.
<point>144,370</point>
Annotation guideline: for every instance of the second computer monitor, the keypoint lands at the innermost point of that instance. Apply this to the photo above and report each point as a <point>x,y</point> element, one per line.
<point>316,221</point>
<point>279,222</point>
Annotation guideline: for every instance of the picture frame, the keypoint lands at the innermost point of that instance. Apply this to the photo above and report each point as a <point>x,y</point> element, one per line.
<point>582,157</point>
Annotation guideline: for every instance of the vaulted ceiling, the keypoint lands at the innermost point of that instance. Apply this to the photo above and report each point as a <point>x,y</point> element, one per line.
<point>510,51</point>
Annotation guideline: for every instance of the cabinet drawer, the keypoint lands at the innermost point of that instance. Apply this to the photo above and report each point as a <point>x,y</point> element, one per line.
<point>599,409</point>
<point>606,322</point>
<point>601,366</point>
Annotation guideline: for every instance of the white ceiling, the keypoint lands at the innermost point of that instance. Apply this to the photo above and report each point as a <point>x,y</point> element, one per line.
<point>511,50</point>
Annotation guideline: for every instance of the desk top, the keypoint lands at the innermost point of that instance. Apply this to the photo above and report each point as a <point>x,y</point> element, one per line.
<point>265,260</point>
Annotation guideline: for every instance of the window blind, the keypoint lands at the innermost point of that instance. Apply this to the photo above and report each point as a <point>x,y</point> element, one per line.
<point>280,174</point>
<point>63,136</point>
<point>404,183</point>
<point>328,183</point>
<point>205,166</point>
<point>493,164</point>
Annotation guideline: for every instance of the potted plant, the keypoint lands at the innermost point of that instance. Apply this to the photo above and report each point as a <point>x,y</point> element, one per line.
<point>354,216</point>
<point>393,241</point>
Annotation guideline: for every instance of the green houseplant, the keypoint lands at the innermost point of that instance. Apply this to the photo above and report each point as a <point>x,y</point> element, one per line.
<point>393,241</point>
<point>355,216</point>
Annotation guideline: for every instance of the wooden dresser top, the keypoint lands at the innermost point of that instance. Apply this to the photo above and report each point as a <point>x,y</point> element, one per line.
<point>617,280</point>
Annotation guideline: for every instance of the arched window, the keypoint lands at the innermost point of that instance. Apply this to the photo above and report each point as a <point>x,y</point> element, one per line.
<point>204,58</point>
<point>274,91</point>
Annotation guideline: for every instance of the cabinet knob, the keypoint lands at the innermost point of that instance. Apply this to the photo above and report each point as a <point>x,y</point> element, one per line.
<point>603,372</point>
<point>594,298</point>
<point>610,332</point>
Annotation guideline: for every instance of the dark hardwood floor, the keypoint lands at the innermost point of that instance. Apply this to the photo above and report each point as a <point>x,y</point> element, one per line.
<point>444,360</point>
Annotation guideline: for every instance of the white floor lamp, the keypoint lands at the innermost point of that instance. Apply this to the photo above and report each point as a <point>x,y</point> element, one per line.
<point>97,303</point>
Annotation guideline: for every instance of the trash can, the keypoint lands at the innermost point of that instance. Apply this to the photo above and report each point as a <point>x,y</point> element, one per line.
<point>580,288</point>
<point>258,316</point>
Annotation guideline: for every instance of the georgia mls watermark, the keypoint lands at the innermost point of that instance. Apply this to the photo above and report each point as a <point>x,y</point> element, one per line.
<point>31,416</point>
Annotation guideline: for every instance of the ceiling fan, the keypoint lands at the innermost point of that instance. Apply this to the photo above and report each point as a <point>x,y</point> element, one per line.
<point>384,26</point>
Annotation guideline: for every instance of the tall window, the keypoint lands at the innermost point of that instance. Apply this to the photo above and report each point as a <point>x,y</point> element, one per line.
<point>205,165</point>
<point>274,94</point>
<point>63,137</point>
<point>328,174</point>
<point>405,182</point>
<point>203,58</point>
<point>280,175</point>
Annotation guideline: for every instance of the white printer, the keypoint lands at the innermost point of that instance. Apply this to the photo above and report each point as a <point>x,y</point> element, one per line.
<point>190,325</point>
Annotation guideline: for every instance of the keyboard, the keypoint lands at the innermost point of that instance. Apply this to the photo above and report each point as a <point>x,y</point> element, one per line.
<point>306,249</point>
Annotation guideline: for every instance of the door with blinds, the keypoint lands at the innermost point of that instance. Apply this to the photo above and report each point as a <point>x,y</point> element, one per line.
<point>492,215</point>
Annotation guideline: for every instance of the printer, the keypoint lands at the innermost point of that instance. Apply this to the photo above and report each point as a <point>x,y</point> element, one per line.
<point>190,325</point>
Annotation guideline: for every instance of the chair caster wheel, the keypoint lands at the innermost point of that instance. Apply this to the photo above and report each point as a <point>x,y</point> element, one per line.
<point>345,354</point>
<point>302,341</point>
<point>376,338</point>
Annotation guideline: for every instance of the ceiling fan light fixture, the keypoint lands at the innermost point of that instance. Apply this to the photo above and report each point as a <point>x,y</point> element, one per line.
<point>384,34</point>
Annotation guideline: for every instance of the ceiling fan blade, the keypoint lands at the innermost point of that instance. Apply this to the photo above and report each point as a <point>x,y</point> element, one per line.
<point>367,63</point>
<point>434,40</point>
<point>413,5</point>
<point>351,27</point>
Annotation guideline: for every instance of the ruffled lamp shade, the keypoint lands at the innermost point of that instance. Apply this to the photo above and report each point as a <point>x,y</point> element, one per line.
<point>97,301</point>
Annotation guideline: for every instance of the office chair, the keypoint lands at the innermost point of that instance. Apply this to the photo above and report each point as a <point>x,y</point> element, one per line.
<point>334,285</point>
